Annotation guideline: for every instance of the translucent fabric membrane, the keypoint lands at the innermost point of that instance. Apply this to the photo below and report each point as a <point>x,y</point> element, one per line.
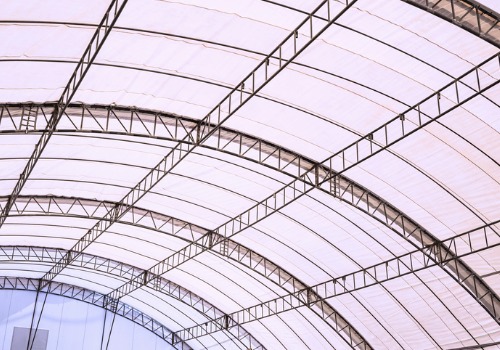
<point>250,174</point>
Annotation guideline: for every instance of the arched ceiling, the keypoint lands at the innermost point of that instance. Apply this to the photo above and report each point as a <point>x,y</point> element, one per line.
<point>259,174</point>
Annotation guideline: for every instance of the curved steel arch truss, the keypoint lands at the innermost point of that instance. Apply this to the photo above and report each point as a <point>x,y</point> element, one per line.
<point>317,176</point>
<point>236,252</point>
<point>84,295</point>
<point>467,14</point>
<point>125,271</point>
<point>146,123</point>
<point>461,245</point>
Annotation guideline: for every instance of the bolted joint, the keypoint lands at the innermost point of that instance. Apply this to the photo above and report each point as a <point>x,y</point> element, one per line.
<point>42,283</point>
<point>316,176</point>
<point>198,133</point>
<point>110,303</point>
<point>210,240</point>
<point>68,258</point>
<point>311,297</point>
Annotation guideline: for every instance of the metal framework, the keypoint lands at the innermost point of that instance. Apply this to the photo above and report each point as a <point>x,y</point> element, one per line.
<point>430,109</point>
<point>88,57</point>
<point>458,246</point>
<point>467,14</point>
<point>125,271</point>
<point>87,296</point>
<point>124,120</point>
<point>322,176</point>
<point>288,50</point>
<point>438,103</point>
<point>84,208</point>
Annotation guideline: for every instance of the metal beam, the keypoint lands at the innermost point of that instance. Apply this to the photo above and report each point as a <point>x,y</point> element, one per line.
<point>146,123</point>
<point>458,246</point>
<point>88,57</point>
<point>93,298</point>
<point>413,119</point>
<point>84,208</point>
<point>469,15</point>
<point>121,270</point>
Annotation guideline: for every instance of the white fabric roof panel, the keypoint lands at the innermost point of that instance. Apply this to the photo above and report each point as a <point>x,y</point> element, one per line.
<point>486,263</point>
<point>103,150</point>
<point>179,314</point>
<point>419,33</point>
<point>416,187</point>
<point>23,269</point>
<point>15,151</point>
<point>349,221</point>
<point>33,235</point>
<point>120,243</point>
<point>45,81</point>
<point>246,24</point>
<point>83,11</point>
<point>45,42</point>
<point>235,294</point>
<point>153,52</point>
<point>89,279</point>
<point>263,118</point>
<point>180,58</point>
<point>324,335</point>
<point>303,328</point>
<point>81,189</point>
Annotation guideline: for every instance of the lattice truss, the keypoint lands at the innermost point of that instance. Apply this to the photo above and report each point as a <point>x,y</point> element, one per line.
<point>213,133</point>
